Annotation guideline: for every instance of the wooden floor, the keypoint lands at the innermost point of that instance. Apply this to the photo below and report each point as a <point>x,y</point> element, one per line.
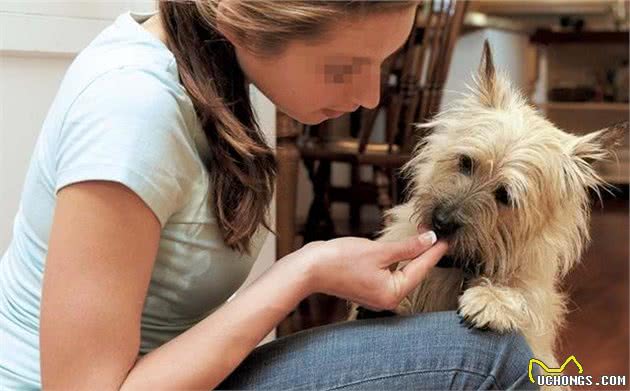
<point>597,328</point>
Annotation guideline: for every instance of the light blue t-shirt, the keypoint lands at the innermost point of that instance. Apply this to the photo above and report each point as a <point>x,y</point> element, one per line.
<point>122,115</point>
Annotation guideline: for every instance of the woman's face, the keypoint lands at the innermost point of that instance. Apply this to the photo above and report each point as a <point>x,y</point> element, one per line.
<point>314,82</point>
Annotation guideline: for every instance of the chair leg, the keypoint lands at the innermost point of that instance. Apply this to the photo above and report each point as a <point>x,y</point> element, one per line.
<point>394,188</point>
<point>355,123</point>
<point>327,228</point>
<point>311,215</point>
<point>319,224</point>
<point>382,180</point>
<point>355,201</point>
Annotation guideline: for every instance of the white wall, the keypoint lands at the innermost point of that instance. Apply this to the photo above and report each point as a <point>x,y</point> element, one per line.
<point>38,41</point>
<point>508,51</point>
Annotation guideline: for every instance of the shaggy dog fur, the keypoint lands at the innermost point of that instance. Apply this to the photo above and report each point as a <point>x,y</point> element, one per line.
<point>510,192</point>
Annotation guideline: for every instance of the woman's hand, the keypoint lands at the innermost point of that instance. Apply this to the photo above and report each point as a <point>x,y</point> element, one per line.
<point>357,269</point>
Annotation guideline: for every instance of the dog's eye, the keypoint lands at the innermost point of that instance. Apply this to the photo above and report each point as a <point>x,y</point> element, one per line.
<point>465,165</point>
<point>501,195</point>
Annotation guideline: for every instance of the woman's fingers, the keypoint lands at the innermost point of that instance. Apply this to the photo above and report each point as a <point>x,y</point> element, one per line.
<point>409,248</point>
<point>415,271</point>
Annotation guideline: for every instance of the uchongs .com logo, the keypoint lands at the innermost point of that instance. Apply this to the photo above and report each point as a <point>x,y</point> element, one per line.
<point>554,376</point>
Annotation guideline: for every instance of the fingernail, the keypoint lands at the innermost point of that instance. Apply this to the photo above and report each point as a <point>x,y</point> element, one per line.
<point>428,238</point>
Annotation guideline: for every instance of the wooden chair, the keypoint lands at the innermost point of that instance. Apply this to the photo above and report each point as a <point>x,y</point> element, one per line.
<point>412,83</point>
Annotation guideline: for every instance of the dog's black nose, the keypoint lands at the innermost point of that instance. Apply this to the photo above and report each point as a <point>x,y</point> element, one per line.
<point>443,222</point>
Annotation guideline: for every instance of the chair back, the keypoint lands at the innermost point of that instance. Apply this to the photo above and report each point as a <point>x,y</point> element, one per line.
<point>413,80</point>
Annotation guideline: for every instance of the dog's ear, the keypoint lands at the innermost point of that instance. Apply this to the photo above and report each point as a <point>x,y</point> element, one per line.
<point>487,73</point>
<point>491,89</point>
<point>600,144</point>
<point>590,148</point>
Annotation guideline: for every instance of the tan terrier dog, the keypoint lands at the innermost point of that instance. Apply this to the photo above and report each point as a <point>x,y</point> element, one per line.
<point>510,192</point>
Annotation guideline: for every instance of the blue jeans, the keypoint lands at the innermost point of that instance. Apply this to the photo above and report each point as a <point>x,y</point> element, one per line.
<point>429,351</point>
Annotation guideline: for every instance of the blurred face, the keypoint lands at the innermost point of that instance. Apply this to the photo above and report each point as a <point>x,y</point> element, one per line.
<point>312,82</point>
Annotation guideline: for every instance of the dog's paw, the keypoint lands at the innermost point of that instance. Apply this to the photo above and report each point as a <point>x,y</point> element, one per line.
<point>487,307</point>
<point>469,322</point>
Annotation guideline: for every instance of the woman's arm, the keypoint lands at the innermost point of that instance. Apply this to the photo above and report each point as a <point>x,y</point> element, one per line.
<point>207,353</point>
<point>351,268</point>
<point>101,251</point>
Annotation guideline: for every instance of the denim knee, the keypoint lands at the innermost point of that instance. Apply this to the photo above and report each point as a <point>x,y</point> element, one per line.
<point>502,357</point>
<point>475,358</point>
<point>511,368</point>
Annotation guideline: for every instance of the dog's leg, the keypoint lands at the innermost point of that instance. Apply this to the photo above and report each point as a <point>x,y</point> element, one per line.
<point>535,310</point>
<point>485,304</point>
<point>500,308</point>
<point>437,292</point>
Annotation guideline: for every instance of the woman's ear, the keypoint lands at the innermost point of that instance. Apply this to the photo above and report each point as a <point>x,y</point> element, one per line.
<point>601,144</point>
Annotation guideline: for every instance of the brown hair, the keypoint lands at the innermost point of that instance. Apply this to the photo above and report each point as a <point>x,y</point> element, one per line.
<point>243,166</point>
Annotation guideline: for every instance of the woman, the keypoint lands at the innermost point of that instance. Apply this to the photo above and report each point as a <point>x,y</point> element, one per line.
<point>146,203</point>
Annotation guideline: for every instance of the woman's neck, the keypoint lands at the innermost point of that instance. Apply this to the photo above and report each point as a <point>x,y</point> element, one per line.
<point>154,26</point>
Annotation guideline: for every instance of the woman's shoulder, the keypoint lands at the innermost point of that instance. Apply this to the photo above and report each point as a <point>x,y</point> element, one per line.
<point>120,80</point>
<point>129,125</point>
<point>126,65</point>
<point>124,44</point>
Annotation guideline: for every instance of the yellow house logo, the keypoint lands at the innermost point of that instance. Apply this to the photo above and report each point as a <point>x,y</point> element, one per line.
<point>552,370</point>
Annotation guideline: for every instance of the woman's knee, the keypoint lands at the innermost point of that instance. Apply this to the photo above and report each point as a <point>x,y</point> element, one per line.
<point>430,349</point>
<point>503,358</point>
<point>511,368</point>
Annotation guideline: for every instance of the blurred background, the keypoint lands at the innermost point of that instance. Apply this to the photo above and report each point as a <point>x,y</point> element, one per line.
<point>570,57</point>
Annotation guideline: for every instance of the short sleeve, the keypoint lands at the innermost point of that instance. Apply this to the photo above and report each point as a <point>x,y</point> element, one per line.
<point>127,126</point>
